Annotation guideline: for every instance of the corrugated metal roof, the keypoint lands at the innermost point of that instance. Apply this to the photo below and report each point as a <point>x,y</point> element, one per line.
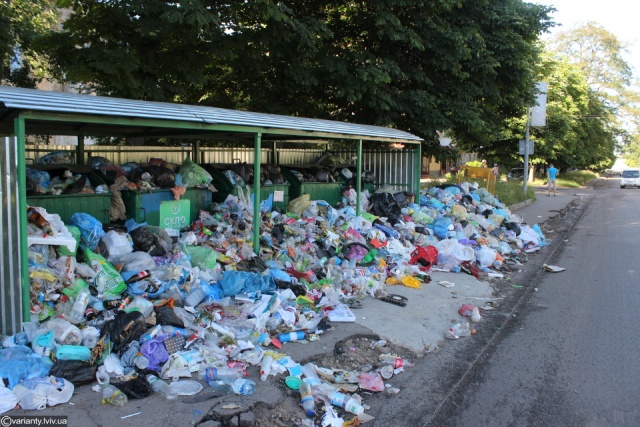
<point>88,105</point>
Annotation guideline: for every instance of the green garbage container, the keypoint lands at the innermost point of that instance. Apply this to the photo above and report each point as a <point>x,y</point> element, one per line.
<point>280,192</point>
<point>330,192</point>
<point>98,205</point>
<point>144,206</point>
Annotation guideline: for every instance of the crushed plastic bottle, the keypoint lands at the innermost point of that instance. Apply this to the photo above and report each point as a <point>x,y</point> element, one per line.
<point>159,386</point>
<point>111,395</point>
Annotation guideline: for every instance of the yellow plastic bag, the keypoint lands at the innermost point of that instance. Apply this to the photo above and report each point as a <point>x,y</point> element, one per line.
<point>411,282</point>
<point>298,205</point>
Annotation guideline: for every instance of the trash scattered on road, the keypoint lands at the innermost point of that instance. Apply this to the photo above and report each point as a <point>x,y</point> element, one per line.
<point>553,268</point>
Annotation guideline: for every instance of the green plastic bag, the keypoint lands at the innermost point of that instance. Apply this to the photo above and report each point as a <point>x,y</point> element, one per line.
<point>108,281</point>
<point>194,175</point>
<point>201,256</point>
<point>75,233</point>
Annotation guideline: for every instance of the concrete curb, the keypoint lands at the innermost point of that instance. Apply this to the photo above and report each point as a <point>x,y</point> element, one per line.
<point>519,205</point>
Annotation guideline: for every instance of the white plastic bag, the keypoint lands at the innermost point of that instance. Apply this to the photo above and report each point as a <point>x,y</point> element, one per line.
<point>456,249</point>
<point>118,244</point>
<point>8,399</point>
<point>65,332</point>
<point>485,256</point>
<point>43,392</point>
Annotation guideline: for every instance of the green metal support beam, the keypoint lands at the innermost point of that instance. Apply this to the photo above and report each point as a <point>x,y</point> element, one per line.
<point>358,177</point>
<point>418,170</point>
<point>19,131</point>
<point>111,129</point>
<point>80,150</point>
<point>257,150</point>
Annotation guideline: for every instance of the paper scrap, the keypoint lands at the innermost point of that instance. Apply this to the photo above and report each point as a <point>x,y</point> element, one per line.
<point>553,268</point>
<point>278,196</point>
<point>446,283</point>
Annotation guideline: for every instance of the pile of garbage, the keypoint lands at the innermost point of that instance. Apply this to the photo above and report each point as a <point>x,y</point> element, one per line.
<point>140,311</point>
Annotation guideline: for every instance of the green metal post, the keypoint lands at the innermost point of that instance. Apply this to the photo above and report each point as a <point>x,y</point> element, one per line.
<point>358,177</point>
<point>20,132</point>
<point>418,172</point>
<point>195,155</point>
<point>257,149</point>
<point>80,150</point>
<point>274,154</point>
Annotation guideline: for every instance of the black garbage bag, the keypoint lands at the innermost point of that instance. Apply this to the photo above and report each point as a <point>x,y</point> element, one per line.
<point>402,199</point>
<point>383,204</point>
<point>97,162</point>
<point>512,226</point>
<point>245,171</point>
<point>368,177</point>
<point>255,264</point>
<point>487,212</point>
<point>166,316</point>
<point>76,186</point>
<point>277,233</point>
<point>297,289</point>
<point>321,175</point>
<point>153,240</point>
<point>137,388</point>
<point>125,328</point>
<point>77,372</point>
<point>162,177</point>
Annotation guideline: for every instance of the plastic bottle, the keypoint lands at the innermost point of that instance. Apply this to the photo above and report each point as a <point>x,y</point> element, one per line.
<point>175,331</point>
<point>159,386</point>
<point>149,335</point>
<point>265,366</point>
<point>224,374</point>
<point>291,336</point>
<point>393,360</point>
<point>306,399</point>
<point>138,276</point>
<point>341,400</point>
<point>80,305</point>
<point>141,361</point>
<point>113,396</point>
<point>195,297</point>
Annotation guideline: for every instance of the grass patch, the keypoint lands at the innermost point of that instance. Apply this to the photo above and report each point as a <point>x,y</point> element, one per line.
<point>575,179</point>
<point>511,192</point>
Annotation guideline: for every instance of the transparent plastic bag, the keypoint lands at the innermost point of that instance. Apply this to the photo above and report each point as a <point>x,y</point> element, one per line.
<point>42,392</point>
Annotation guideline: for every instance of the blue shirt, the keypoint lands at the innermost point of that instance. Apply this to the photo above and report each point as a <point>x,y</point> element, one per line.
<point>552,172</point>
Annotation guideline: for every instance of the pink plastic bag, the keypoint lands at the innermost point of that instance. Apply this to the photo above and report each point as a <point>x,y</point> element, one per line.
<point>371,381</point>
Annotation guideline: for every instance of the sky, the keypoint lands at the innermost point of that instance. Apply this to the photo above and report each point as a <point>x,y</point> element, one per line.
<point>617,16</point>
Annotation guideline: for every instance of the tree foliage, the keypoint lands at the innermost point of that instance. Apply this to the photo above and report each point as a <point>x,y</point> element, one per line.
<point>420,66</point>
<point>22,22</point>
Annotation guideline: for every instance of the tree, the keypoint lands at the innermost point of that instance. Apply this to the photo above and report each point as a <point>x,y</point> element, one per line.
<point>599,55</point>
<point>463,66</point>
<point>22,22</point>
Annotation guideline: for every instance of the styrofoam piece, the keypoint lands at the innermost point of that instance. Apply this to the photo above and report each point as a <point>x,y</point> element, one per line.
<point>342,313</point>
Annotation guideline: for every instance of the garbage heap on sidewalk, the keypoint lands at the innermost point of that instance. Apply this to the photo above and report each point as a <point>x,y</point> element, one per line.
<point>139,311</point>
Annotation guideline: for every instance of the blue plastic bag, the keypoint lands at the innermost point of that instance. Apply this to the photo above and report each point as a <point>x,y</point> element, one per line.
<point>90,230</point>
<point>237,282</point>
<point>20,363</point>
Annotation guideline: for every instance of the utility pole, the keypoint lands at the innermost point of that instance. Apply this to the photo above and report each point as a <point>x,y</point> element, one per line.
<point>525,176</point>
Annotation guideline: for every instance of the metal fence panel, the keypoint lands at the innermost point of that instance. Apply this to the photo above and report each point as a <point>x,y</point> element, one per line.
<point>10,289</point>
<point>392,167</point>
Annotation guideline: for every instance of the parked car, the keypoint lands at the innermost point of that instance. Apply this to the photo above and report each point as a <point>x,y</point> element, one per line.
<point>630,178</point>
<point>515,174</point>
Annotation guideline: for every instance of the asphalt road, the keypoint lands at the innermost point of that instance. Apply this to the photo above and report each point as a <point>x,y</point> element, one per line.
<point>571,355</point>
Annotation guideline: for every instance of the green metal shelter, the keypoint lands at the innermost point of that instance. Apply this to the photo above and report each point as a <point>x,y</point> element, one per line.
<point>26,112</point>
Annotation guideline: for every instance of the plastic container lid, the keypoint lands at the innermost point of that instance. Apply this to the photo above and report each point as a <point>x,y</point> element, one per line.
<point>293,382</point>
